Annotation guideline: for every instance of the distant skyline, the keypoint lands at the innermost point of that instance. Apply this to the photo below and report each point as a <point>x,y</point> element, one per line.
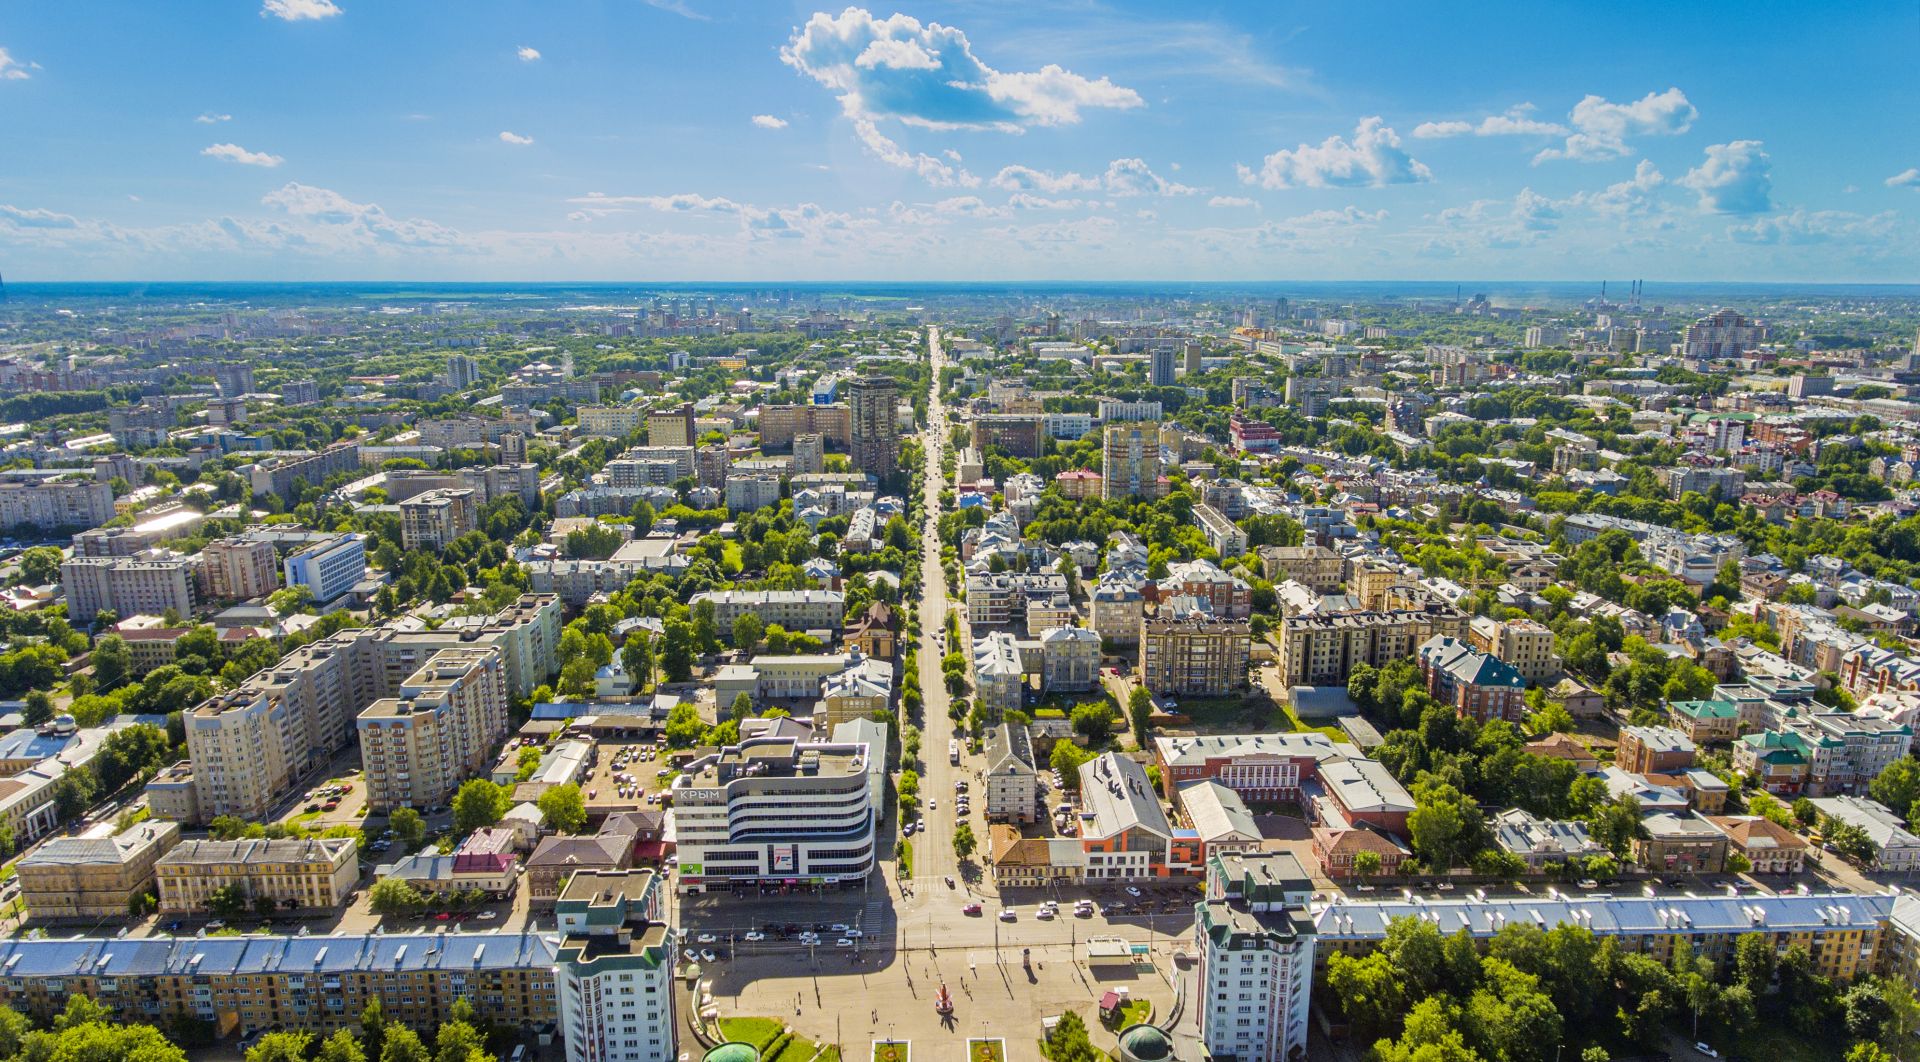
<point>678,139</point>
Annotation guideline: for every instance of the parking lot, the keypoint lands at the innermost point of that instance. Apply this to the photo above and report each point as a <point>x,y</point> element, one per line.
<point>626,776</point>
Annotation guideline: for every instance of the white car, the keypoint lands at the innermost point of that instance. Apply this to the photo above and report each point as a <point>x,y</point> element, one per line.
<point>854,933</point>
<point>1131,891</point>
<point>843,942</point>
<point>1045,914</point>
<point>705,938</point>
<point>487,916</point>
<point>754,937</point>
<point>1007,914</point>
<point>707,955</point>
<point>1707,1051</point>
<point>839,927</point>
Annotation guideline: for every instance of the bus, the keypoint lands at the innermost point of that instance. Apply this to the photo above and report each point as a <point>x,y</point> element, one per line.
<point>953,751</point>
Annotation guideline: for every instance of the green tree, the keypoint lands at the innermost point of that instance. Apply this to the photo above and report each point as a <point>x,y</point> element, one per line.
<point>373,1027</point>
<point>1093,721</point>
<point>394,896</point>
<point>747,630</point>
<point>402,1045</point>
<point>742,707</point>
<point>1069,1042</point>
<point>637,656</point>
<point>37,707</point>
<point>1067,758</point>
<point>280,1047</point>
<point>112,662</point>
<point>684,727</point>
<point>1139,713</point>
<point>342,1046</point>
<point>1428,1036</point>
<point>1898,785</point>
<point>479,804</point>
<point>963,841</point>
<point>563,808</point>
<point>706,627</point>
<point>1366,864</point>
<point>459,1041</point>
<point>677,650</point>
<point>81,1010</point>
<point>1445,825</point>
<point>408,827</point>
<point>227,901</point>
<point>41,565</point>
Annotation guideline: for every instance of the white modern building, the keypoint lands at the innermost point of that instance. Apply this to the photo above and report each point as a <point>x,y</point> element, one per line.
<point>328,569</point>
<point>776,812</point>
<point>614,968</point>
<point>1254,937</point>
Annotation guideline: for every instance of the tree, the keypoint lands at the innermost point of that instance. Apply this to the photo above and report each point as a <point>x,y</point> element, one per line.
<point>37,708</point>
<point>41,565</point>
<point>963,841</point>
<point>408,827</point>
<point>459,1041</point>
<point>637,656</point>
<point>373,1026</point>
<point>14,1028</point>
<point>1093,721</point>
<point>1849,840</point>
<point>676,651</point>
<point>1140,712</point>
<point>1898,786</point>
<point>1069,1042</point>
<point>564,809</point>
<point>1366,864</point>
<point>394,896</point>
<point>341,1047</point>
<point>1067,758</point>
<point>1753,962</point>
<point>742,707</point>
<point>747,629</point>
<point>685,728</point>
<point>1553,719</point>
<point>479,804</point>
<point>1429,1036</point>
<point>227,901</point>
<point>81,1010</point>
<point>280,1047</point>
<point>706,626</point>
<point>112,662</point>
<point>1445,825</point>
<point>403,1045</point>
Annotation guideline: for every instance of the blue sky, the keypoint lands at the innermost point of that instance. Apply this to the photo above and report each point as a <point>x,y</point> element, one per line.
<point>695,139</point>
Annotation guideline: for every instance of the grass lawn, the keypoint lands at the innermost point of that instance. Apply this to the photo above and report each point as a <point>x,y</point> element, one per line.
<point>1773,1041</point>
<point>756,1031</point>
<point>1134,1013</point>
<point>798,1049</point>
<point>986,1050</point>
<point>891,1050</point>
<point>1295,724</point>
<point>1227,712</point>
<point>903,854</point>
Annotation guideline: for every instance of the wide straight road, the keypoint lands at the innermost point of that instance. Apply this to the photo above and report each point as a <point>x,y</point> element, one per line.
<point>933,857</point>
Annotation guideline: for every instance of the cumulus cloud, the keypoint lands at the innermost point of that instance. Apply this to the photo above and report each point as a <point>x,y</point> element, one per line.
<point>507,137</point>
<point>213,119</point>
<point>1124,178</point>
<point>236,153</point>
<point>37,219</point>
<point>1514,122</point>
<point>299,10</point>
<point>932,170</point>
<point>768,121</point>
<point>1736,178</point>
<point>803,221</point>
<point>1502,224</point>
<point>1372,159</point>
<point>339,220</point>
<point>1633,196</point>
<point>12,69</point>
<point>1814,226</point>
<point>1601,127</point>
<point>528,54</point>
<point>1231,201</point>
<point>1029,201</point>
<point>926,74</point>
<point>1908,179</point>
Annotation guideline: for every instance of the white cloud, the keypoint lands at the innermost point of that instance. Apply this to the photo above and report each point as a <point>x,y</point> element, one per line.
<point>236,153</point>
<point>1512,123</point>
<point>1736,178</point>
<point>299,10</point>
<point>1908,179</point>
<point>340,221</point>
<point>528,54</point>
<point>1123,178</point>
<point>1232,201</point>
<point>932,170</point>
<point>37,219</point>
<point>1814,226</point>
<point>1634,196</point>
<point>507,137</point>
<point>1601,127</point>
<point>1029,201</point>
<point>768,121</point>
<point>679,8</point>
<point>803,221</point>
<point>971,206</point>
<point>12,69</point>
<point>213,119</point>
<point>926,75</point>
<point>1374,158</point>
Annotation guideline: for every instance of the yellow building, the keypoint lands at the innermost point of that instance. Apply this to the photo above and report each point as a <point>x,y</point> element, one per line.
<point>93,877</point>
<point>304,875</point>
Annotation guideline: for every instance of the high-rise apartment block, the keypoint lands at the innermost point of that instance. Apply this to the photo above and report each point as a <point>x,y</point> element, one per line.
<point>1160,366</point>
<point>128,586</point>
<point>780,424</point>
<point>1323,649</point>
<point>615,968</point>
<point>437,517</point>
<point>874,403</point>
<point>1254,936</point>
<point>49,506</point>
<point>234,569</point>
<point>1130,461</point>
<point>672,427</point>
<point>809,453</point>
<point>233,378</point>
<point>462,372</point>
<point>616,422</point>
<point>1194,656</point>
<point>438,730</point>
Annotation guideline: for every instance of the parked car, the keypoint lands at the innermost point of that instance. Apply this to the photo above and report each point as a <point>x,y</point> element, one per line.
<point>970,909</point>
<point>843,942</point>
<point>755,937</point>
<point>1007,914</point>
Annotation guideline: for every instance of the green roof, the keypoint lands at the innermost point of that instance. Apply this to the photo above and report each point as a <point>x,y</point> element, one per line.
<point>1145,1043</point>
<point>1706,709</point>
<point>733,1052</point>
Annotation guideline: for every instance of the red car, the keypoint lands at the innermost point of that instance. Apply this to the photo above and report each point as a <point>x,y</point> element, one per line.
<point>970,909</point>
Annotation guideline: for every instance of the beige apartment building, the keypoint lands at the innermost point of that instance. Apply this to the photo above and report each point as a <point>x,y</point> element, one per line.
<point>671,427</point>
<point>129,586</point>
<point>615,421</point>
<point>437,517</point>
<point>1194,657</point>
<point>296,875</point>
<point>237,570</point>
<point>780,424</point>
<point>247,745</point>
<point>1130,461</point>
<point>1527,646</point>
<point>1322,650</point>
<point>438,731</point>
<point>93,877</point>
<point>74,503</point>
<point>1316,567</point>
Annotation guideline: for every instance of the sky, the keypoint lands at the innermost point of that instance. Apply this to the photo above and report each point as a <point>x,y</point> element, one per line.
<point>993,140</point>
